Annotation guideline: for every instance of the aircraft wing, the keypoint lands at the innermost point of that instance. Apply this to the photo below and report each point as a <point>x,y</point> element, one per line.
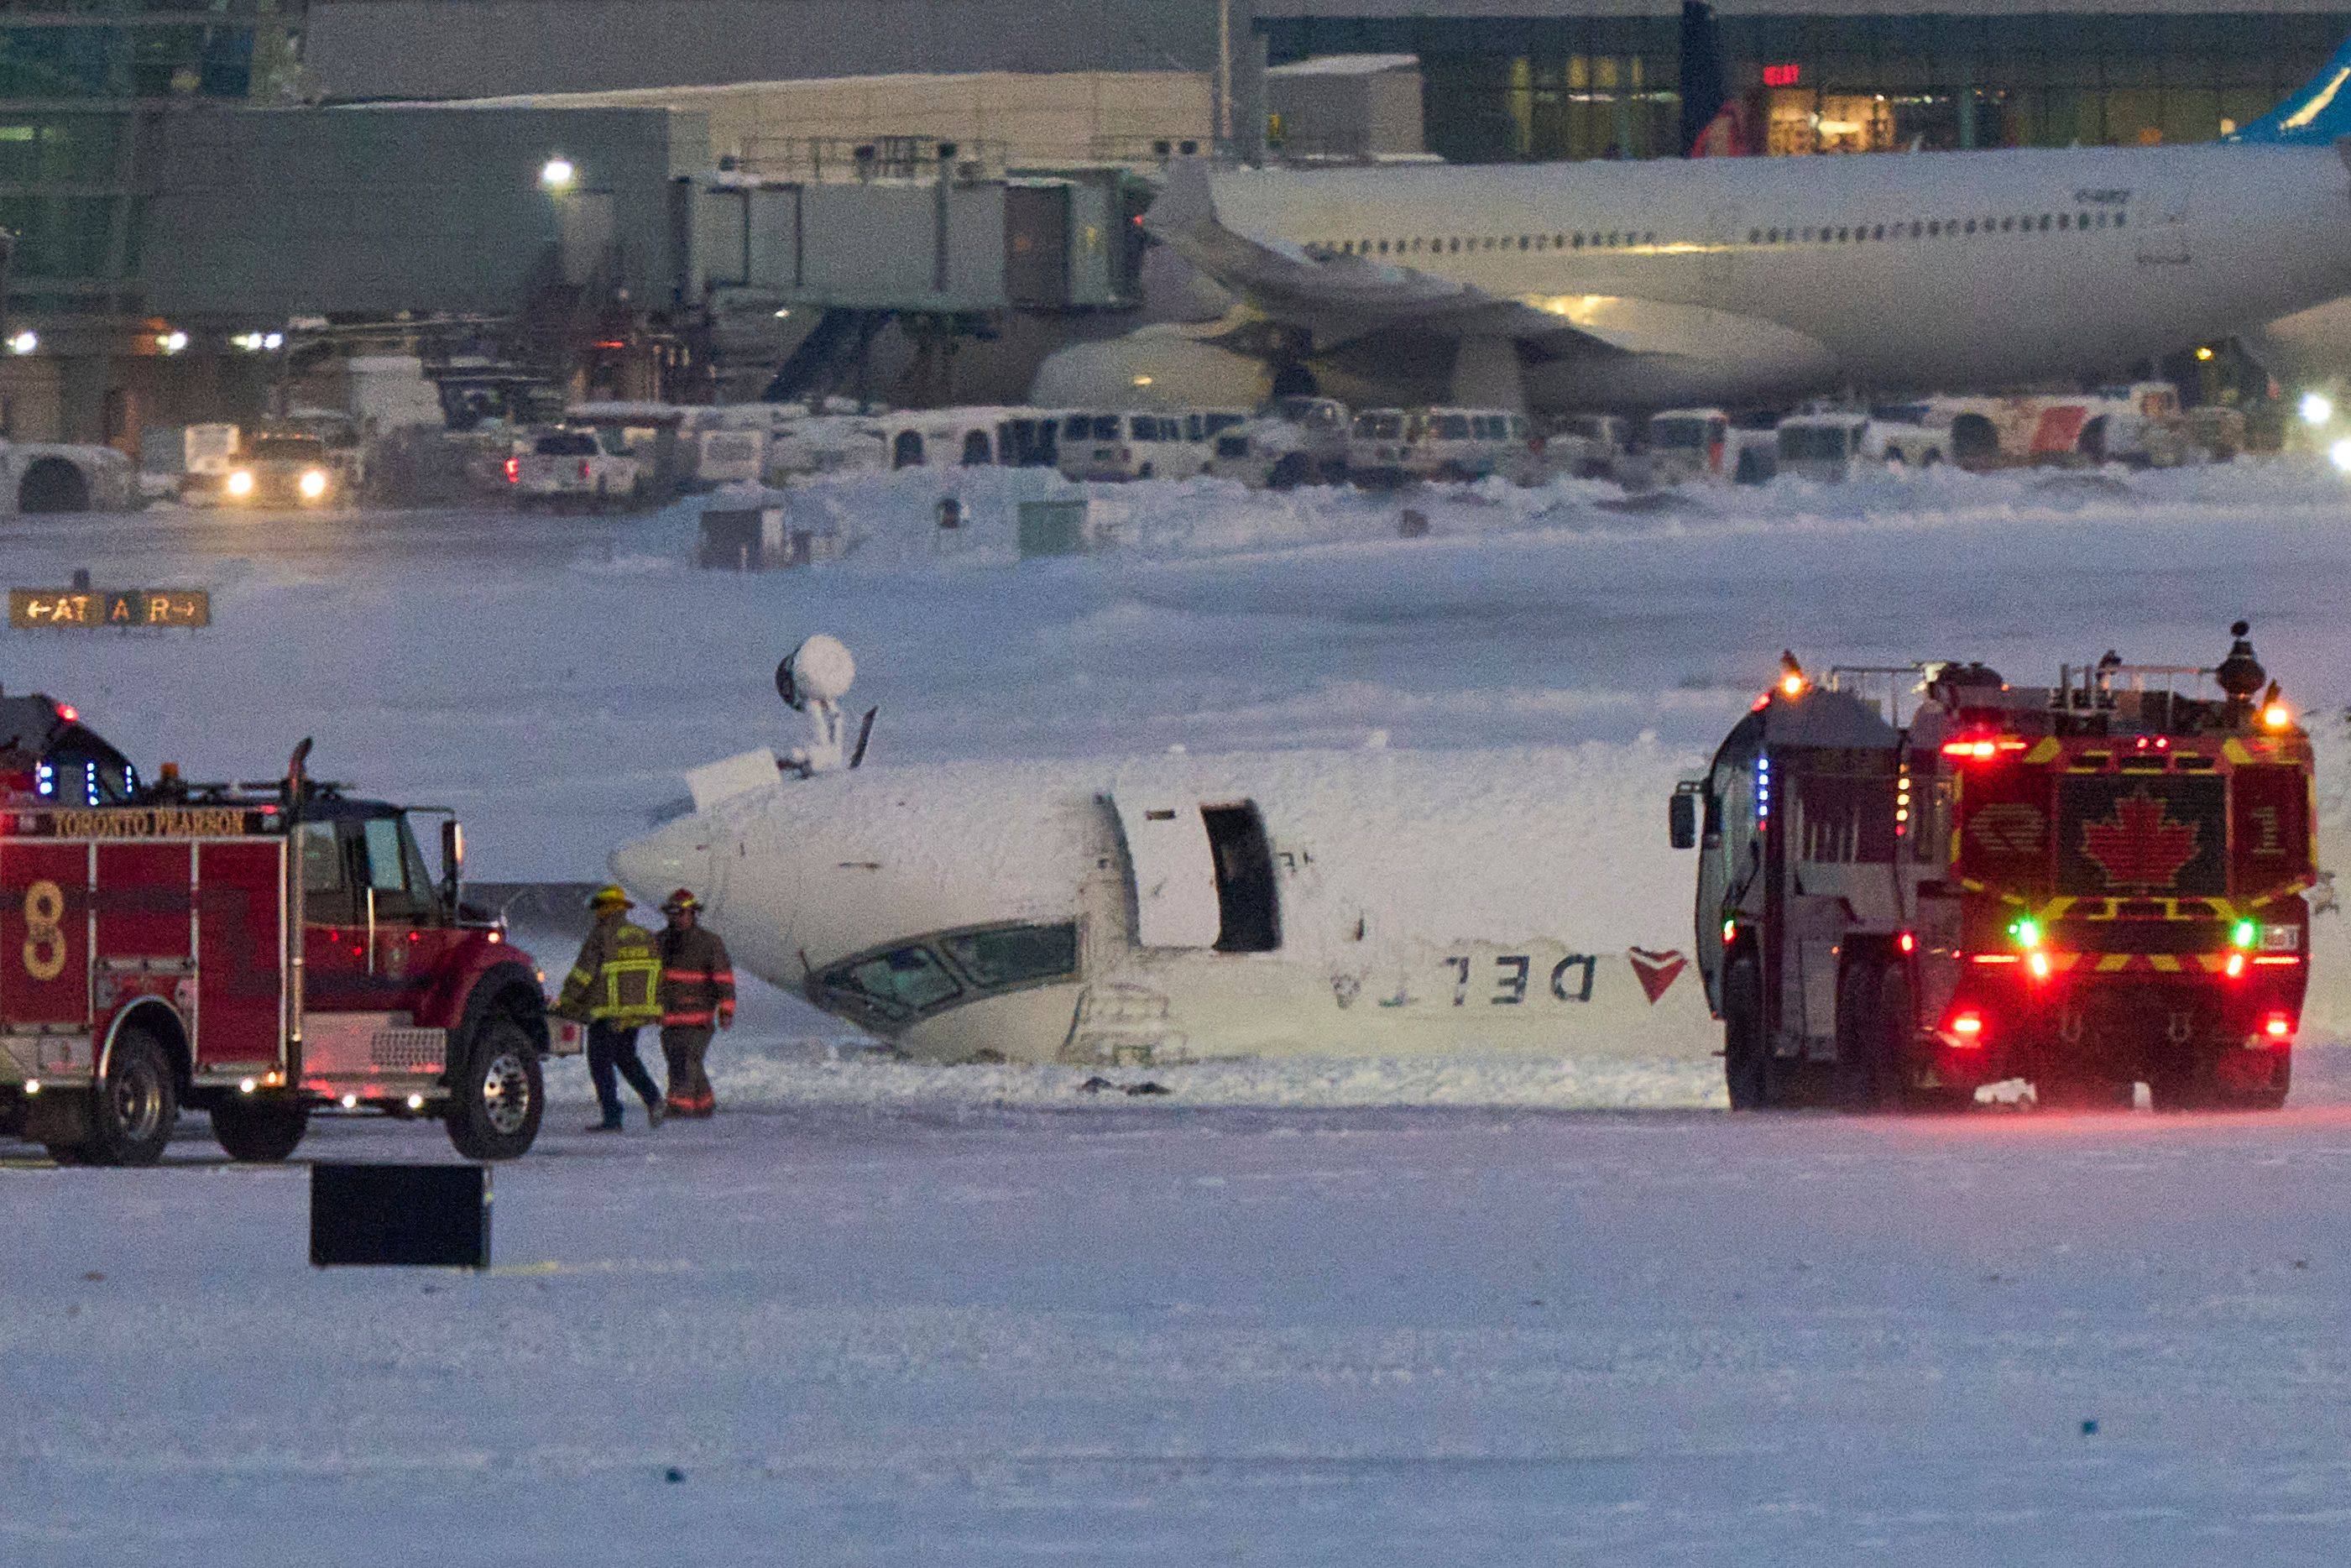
<point>1340,298</point>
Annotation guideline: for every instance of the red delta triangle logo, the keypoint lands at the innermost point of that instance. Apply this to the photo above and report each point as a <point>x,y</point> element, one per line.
<point>2140,845</point>
<point>1655,971</point>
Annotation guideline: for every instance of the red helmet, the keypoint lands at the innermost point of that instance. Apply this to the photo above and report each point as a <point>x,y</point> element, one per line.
<point>680,901</point>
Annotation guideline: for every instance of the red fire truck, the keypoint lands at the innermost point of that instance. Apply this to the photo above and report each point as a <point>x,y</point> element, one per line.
<point>2088,886</point>
<point>258,952</point>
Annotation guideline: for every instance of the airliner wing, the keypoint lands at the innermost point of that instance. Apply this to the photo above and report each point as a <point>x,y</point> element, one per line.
<point>1340,298</point>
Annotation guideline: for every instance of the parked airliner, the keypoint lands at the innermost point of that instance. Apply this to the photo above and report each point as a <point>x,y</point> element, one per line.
<point>1724,280</point>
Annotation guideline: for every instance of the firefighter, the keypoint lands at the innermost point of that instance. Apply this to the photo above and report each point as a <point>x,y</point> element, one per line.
<point>697,991</point>
<point>615,988</point>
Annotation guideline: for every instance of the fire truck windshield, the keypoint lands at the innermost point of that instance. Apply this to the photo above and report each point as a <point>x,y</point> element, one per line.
<point>83,770</point>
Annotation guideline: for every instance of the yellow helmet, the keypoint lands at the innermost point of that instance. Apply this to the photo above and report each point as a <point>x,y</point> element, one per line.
<point>609,896</point>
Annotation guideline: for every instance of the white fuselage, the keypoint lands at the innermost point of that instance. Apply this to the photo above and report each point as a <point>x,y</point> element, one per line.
<point>1365,902</point>
<point>1928,271</point>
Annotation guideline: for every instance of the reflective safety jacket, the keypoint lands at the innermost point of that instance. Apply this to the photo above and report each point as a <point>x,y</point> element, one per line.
<point>617,977</point>
<point>697,979</point>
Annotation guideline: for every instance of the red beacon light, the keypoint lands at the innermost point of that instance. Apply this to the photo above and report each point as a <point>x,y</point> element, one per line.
<point>2277,1025</point>
<point>1968,1027</point>
<point>1983,748</point>
<point>69,713</point>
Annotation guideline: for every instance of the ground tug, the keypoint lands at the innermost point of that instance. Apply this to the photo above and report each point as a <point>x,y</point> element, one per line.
<point>2085,886</point>
<point>257,951</point>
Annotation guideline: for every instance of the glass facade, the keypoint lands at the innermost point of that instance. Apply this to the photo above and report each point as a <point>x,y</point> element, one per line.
<point>88,88</point>
<point>1505,89</point>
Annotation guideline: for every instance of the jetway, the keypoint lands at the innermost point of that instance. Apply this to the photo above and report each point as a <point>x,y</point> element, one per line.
<point>929,230</point>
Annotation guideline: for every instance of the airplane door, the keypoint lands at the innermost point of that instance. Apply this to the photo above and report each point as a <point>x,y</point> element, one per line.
<point>2162,227</point>
<point>1715,269</point>
<point>1167,852</point>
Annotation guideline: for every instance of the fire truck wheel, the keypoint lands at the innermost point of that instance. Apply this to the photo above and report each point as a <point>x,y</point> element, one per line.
<point>1746,1070</point>
<point>259,1132</point>
<point>500,1096</point>
<point>1873,1013</point>
<point>133,1114</point>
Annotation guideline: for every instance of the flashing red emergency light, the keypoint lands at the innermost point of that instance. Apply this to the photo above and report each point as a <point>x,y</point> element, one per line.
<point>1983,748</point>
<point>2277,1025</point>
<point>2038,962</point>
<point>68,712</point>
<point>1908,942</point>
<point>1787,75</point>
<point>1968,1026</point>
<point>513,470</point>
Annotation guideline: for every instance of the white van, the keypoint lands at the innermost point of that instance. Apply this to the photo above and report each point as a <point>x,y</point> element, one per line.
<point>1129,445</point>
<point>1587,445</point>
<point>1833,446</point>
<point>1397,446</point>
<point>729,457</point>
<point>825,444</point>
<point>1686,443</point>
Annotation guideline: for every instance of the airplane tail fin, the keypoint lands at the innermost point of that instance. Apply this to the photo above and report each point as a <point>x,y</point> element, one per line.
<point>1186,198</point>
<point>2317,115</point>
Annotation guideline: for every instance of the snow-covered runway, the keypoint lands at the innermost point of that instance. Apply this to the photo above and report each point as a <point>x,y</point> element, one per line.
<point>1125,1334</point>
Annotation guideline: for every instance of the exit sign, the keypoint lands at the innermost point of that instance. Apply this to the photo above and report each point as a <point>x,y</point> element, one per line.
<point>1782,75</point>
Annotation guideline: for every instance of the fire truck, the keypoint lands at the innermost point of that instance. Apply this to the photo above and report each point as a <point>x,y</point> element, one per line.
<point>259,952</point>
<point>1916,882</point>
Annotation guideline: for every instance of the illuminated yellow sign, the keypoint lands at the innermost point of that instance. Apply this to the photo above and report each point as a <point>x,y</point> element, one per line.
<point>93,609</point>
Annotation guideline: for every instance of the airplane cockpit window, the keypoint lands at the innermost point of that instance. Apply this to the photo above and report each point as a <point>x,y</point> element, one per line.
<point>1014,955</point>
<point>899,983</point>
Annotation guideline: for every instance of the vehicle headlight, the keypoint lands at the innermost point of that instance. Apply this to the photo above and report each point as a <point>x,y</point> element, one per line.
<point>2340,454</point>
<point>313,484</point>
<point>2317,408</point>
<point>240,482</point>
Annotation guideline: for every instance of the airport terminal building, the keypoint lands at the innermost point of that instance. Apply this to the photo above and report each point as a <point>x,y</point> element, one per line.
<point>130,218</point>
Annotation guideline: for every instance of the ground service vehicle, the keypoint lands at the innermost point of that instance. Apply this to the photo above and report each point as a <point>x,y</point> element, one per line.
<point>2087,885</point>
<point>1834,447</point>
<point>1452,446</point>
<point>258,952</point>
<point>573,465</point>
<point>1129,445</point>
<point>283,469</point>
<point>1297,441</point>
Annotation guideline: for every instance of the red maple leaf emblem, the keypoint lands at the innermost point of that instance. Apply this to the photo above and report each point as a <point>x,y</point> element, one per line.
<point>2140,845</point>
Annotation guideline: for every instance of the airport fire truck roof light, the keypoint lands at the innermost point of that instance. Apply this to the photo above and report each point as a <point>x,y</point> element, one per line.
<point>1792,681</point>
<point>68,712</point>
<point>559,173</point>
<point>2277,716</point>
<point>23,342</point>
<point>2316,408</point>
<point>2340,454</point>
<point>1983,748</point>
<point>2277,1025</point>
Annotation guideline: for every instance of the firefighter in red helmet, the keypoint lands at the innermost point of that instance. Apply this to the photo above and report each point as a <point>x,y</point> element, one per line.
<point>697,996</point>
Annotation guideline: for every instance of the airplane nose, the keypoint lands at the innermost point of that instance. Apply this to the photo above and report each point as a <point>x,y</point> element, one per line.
<point>676,855</point>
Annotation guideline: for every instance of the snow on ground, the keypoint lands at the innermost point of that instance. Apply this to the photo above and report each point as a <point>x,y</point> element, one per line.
<point>1494,1311</point>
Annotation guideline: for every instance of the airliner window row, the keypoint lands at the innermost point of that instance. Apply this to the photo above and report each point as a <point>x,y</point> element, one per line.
<point>1617,239</point>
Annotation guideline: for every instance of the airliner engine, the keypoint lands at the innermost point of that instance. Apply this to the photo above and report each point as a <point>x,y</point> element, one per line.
<point>1167,366</point>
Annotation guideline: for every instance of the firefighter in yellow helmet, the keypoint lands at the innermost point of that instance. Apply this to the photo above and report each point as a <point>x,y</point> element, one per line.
<point>615,987</point>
